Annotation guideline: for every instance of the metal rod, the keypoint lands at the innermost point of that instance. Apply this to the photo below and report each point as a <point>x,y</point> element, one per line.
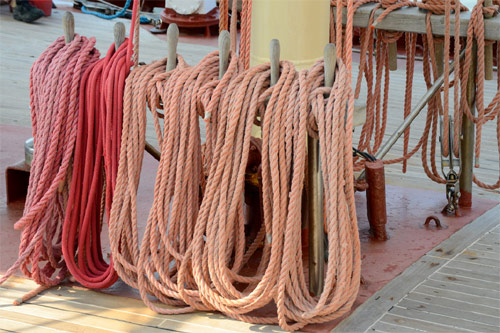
<point>315,193</point>
<point>467,144</point>
<point>414,113</point>
<point>152,151</point>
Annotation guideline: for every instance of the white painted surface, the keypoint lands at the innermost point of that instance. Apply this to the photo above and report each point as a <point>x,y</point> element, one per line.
<point>188,7</point>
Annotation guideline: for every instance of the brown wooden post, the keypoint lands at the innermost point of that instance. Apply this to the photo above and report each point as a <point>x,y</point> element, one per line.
<point>468,135</point>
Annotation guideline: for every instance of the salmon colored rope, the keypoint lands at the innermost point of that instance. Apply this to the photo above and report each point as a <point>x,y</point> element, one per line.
<point>435,106</point>
<point>194,252</point>
<point>246,23</point>
<point>377,92</point>
<point>224,16</point>
<point>492,111</point>
<point>54,86</point>
<point>232,25</point>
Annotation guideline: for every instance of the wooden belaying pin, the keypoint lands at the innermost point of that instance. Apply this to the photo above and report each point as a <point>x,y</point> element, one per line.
<point>172,40</point>
<point>488,49</point>
<point>488,61</point>
<point>224,50</point>
<point>393,56</point>
<point>119,32</point>
<point>315,214</point>
<point>68,23</point>
<point>392,50</point>
<point>439,55</point>
<point>224,47</point>
<point>274,56</point>
<point>330,64</point>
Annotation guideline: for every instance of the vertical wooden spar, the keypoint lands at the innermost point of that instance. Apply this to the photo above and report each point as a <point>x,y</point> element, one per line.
<point>315,192</point>
<point>301,26</point>
<point>468,135</point>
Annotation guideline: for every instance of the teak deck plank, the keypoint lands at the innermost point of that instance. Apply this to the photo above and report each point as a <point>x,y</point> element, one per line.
<point>421,325</point>
<point>473,291</point>
<point>450,312</point>
<point>404,290</point>
<point>125,309</point>
<point>32,323</point>
<point>453,304</point>
<point>432,317</point>
<point>459,296</point>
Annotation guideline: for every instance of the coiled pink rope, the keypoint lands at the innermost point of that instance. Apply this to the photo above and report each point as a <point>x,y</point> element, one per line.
<point>194,253</point>
<point>54,90</point>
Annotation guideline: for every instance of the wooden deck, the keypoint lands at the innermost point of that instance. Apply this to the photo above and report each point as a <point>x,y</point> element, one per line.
<point>78,309</point>
<point>453,288</point>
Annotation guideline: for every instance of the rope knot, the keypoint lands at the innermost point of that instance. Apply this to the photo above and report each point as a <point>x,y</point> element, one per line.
<point>438,7</point>
<point>490,11</point>
<point>389,6</point>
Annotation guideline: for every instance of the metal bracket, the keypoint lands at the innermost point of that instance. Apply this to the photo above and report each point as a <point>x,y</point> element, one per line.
<point>450,167</point>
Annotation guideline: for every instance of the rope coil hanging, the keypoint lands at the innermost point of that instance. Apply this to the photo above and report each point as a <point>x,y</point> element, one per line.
<point>95,164</point>
<point>57,91</point>
<point>377,96</point>
<point>54,84</point>
<point>203,264</point>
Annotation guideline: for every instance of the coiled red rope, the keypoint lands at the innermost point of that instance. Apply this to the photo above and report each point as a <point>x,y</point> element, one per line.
<point>95,165</point>
<point>94,169</point>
